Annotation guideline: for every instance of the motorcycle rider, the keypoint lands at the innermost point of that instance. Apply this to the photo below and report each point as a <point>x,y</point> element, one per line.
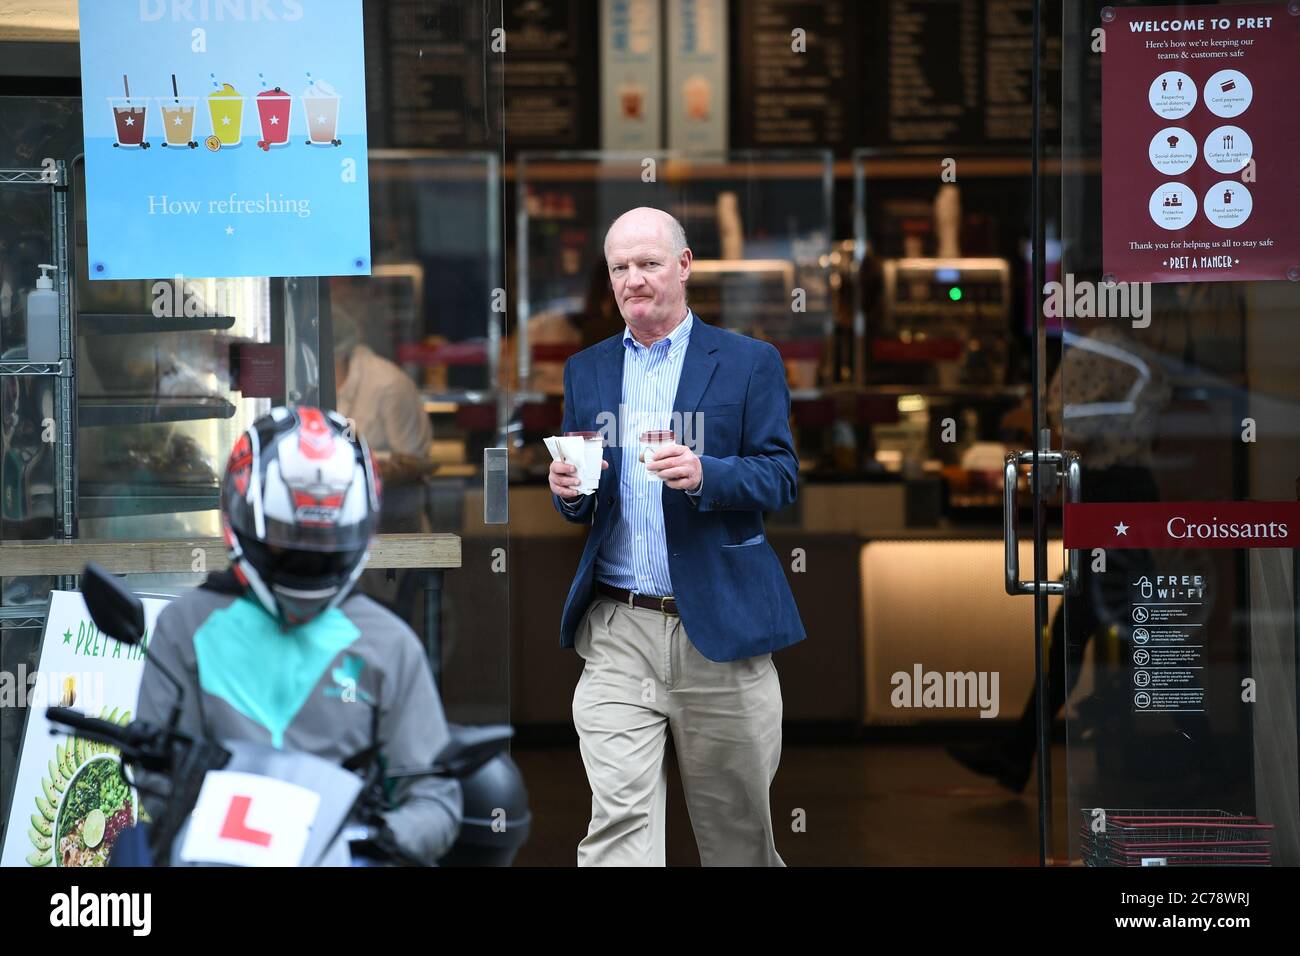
<point>278,650</point>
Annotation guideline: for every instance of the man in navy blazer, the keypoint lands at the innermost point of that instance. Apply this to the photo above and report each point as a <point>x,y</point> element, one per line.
<point>679,600</point>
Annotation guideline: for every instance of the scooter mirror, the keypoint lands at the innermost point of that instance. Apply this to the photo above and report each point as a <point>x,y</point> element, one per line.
<point>114,609</point>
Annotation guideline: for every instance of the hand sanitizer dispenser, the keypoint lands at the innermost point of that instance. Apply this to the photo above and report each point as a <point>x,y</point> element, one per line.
<point>43,320</point>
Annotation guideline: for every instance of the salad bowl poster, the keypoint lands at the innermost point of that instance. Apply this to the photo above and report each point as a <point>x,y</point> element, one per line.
<point>225,138</point>
<point>70,800</point>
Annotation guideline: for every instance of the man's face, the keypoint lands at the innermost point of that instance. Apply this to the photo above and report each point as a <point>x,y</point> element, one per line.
<point>647,279</point>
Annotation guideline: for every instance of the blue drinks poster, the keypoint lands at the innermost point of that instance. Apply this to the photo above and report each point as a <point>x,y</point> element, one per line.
<point>225,138</point>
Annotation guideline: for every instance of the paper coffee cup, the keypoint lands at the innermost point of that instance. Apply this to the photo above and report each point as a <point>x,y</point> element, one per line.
<point>651,442</point>
<point>586,450</point>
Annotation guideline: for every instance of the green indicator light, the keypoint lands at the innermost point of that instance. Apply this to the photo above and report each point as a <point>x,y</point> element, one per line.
<point>955,293</point>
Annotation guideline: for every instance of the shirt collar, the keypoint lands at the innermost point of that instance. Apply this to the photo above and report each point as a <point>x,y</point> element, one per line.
<point>675,339</point>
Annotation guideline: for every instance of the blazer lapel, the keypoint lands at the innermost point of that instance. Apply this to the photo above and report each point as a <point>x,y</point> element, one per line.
<point>609,386</point>
<point>697,368</point>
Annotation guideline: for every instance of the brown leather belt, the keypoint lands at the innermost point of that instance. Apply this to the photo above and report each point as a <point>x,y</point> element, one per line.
<point>668,605</point>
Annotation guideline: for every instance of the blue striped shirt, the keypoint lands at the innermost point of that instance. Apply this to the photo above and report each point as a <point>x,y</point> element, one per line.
<point>634,555</point>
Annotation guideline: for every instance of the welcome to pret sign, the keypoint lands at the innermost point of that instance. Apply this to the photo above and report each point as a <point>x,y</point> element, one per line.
<point>1200,134</point>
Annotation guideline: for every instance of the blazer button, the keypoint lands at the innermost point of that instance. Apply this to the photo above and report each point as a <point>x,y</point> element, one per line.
<point>609,499</point>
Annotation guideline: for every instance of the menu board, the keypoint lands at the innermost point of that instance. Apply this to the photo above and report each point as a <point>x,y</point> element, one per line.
<point>1007,71</point>
<point>451,76</point>
<point>793,85</point>
<point>550,81</point>
<point>837,73</point>
<point>931,87</point>
<point>954,72</point>
<point>372,17</point>
<point>433,74</point>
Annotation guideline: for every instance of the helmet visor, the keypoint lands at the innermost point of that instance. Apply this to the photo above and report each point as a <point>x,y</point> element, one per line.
<point>304,583</point>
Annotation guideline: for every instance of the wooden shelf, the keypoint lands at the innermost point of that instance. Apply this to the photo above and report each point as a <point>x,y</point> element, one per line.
<point>22,558</point>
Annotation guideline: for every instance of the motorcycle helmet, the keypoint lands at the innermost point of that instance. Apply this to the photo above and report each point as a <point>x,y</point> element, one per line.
<point>299,505</point>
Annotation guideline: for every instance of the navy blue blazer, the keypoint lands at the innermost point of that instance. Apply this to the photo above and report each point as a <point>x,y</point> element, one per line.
<point>730,586</point>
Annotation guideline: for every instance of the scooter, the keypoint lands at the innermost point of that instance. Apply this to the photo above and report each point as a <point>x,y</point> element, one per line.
<point>319,813</point>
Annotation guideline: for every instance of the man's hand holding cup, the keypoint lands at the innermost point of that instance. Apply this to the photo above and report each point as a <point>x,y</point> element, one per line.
<point>676,465</point>
<point>565,481</point>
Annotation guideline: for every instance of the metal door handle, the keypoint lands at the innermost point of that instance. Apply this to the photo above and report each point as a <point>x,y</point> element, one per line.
<point>1067,467</point>
<point>496,486</point>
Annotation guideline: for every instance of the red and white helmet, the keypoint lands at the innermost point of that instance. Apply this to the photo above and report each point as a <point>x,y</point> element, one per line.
<point>299,504</point>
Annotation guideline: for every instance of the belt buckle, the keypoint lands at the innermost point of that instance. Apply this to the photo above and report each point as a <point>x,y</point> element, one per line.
<point>631,599</point>
<point>663,604</point>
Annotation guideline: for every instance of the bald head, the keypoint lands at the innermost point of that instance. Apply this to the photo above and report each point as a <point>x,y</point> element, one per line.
<point>649,264</point>
<point>645,219</point>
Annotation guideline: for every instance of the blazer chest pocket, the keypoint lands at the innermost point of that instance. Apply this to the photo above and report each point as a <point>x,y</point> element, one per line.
<point>714,429</point>
<point>719,410</point>
<point>748,542</point>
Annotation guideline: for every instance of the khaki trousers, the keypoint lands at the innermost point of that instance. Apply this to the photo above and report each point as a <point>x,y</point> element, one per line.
<point>643,677</point>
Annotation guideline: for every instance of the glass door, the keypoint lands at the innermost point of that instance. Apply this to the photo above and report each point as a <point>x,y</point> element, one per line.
<point>1170,370</point>
<point>433,312</point>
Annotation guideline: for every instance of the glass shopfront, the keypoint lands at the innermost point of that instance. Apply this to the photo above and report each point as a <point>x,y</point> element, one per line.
<point>891,207</point>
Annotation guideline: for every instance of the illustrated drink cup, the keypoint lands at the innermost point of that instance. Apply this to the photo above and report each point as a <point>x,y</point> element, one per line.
<point>178,119</point>
<point>651,443</point>
<point>698,95</point>
<point>273,108</point>
<point>128,118</point>
<point>226,108</point>
<point>632,99</point>
<point>322,106</point>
